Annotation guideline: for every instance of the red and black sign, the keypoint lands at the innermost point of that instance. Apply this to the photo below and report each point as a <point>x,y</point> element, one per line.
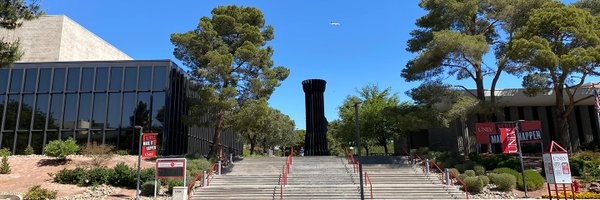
<point>170,168</point>
<point>483,132</point>
<point>149,145</point>
<point>509,140</point>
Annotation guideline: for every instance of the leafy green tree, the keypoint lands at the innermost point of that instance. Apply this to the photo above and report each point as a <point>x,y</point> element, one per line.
<point>250,120</point>
<point>375,127</point>
<point>279,131</point>
<point>12,15</point>
<point>557,49</point>
<point>229,57</point>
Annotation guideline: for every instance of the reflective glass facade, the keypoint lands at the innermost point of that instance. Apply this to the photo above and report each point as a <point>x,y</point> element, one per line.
<point>99,101</point>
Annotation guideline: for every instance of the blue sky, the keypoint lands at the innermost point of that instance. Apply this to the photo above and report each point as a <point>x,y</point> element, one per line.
<point>368,47</point>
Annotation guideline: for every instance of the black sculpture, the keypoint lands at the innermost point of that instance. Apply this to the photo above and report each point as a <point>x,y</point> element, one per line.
<point>315,141</point>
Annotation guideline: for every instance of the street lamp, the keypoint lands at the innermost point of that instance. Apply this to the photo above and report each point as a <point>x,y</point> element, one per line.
<point>357,128</point>
<point>137,189</point>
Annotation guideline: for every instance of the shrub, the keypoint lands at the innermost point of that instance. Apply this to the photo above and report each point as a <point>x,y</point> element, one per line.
<point>4,165</point>
<point>148,188</point>
<point>533,179</point>
<point>99,176</point>
<point>28,150</point>
<point>470,173</point>
<point>4,152</point>
<point>71,176</point>
<point>479,170</point>
<point>170,183</point>
<point>124,176</point>
<point>493,161</point>
<point>37,192</point>
<point>122,152</point>
<point>100,153</point>
<point>484,179</point>
<point>61,149</point>
<point>461,167</point>
<point>585,164</point>
<point>504,182</point>
<point>508,171</point>
<point>473,184</point>
<point>463,176</point>
<point>454,172</point>
<point>510,163</point>
<point>195,166</point>
<point>147,175</point>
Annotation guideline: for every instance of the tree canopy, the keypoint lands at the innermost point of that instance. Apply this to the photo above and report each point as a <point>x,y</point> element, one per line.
<point>229,57</point>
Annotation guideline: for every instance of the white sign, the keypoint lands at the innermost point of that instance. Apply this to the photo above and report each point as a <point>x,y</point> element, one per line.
<point>556,166</point>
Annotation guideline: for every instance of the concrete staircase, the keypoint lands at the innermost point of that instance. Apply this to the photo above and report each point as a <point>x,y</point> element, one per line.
<point>323,177</point>
<point>250,178</point>
<point>401,181</point>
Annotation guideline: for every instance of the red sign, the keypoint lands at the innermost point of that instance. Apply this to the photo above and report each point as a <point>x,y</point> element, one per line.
<point>509,140</point>
<point>483,132</point>
<point>149,145</point>
<point>531,132</point>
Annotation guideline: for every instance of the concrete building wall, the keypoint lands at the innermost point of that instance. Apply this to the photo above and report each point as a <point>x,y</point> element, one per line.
<point>58,38</point>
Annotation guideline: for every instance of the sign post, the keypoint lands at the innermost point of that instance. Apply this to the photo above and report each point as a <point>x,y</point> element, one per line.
<point>517,136</point>
<point>170,168</point>
<point>557,169</point>
<point>139,167</point>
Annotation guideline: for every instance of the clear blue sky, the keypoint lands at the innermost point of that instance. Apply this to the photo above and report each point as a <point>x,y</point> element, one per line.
<point>368,47</point>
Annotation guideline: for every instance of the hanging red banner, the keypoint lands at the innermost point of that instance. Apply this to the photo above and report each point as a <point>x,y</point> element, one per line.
<point>149,145</point>
<point>531,132</point>
<point>509,140</point>
<point>483,132</point>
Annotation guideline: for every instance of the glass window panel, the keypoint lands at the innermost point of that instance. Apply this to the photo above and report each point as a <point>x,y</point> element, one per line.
<point>160,78</point>
<point>130,78</point>
<point>101,79</point>
<point>26,112</point>
<point>16,80</point>
<point>12,108</point>
<point>99,114</point>
<point>82,137</point>
<point>126,140</point>
<point>22,141</point>
<point>66,135</point>
<point>30,78</point>
<point>44,84</point>
<point>2,97</point>
<point>3,80</point>
<point>85,107</point>
<point>96,136</point>
<point>129,104</point>
<point>114,111</point>
<point>70,111</point>
<point>73,79</point>
<point>158,112</point>
<point>37,139</point>
<point>116,77</point>
<point>41,109</point>
<point>112,137</point>
<point>145,78</point>
<point>87,80</point>
<point>51,136</point>
<point>142,110</point>
<point>58,83</point>
<point>7,140</point>
<point>55,111</point>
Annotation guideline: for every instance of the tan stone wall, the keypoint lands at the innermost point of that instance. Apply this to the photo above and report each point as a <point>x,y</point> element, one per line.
<point>58,38</point>
<point>77,43</point>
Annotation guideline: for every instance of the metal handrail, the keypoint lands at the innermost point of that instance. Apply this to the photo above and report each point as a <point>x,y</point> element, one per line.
<point>452,177</point>
<point>210,173</point>
<point>286,170</point>
<point>442,175</point>
<point>368,180</point>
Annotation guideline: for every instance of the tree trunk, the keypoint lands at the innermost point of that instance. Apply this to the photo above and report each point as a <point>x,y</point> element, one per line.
<point>564,137</point>
<point>479,84</point>
<point>366,150</point>
<point>214,150</point>
<point>385,148</point>
<point>252,146</point>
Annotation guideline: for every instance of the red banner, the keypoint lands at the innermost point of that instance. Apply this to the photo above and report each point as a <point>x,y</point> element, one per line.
<point>149,145</point>
<point>509,140</point>
<point>531,132</point>
<point>483,132</point>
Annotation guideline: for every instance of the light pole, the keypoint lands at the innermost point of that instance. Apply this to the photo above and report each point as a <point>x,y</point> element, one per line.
<point>137,187</point>
<point>357,127</point>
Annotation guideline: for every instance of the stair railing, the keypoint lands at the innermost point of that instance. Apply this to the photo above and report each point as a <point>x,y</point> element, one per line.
<point>442,179</point>
<point>285,172</point>
<point>368,180</point>
<point>210,173</point>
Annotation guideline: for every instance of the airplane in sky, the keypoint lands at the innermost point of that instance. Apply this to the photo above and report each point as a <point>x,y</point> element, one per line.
<point>334,24</point>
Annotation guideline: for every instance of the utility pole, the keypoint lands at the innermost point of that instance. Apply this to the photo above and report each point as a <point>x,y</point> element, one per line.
<point>139,168</point>
<point>357,127</point>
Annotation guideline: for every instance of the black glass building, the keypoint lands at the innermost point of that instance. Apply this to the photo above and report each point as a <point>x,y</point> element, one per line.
<point>100,101</point>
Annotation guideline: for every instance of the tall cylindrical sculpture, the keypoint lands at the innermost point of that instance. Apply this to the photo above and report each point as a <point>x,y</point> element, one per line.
<point>315,141</point>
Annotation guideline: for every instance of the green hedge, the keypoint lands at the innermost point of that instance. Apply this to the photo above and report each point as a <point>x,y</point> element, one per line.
<point>504,182</point>
<point>474,184</point>
<point>533,179</point>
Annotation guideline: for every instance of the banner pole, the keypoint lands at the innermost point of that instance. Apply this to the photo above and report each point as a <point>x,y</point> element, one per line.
<point>517,130</point>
